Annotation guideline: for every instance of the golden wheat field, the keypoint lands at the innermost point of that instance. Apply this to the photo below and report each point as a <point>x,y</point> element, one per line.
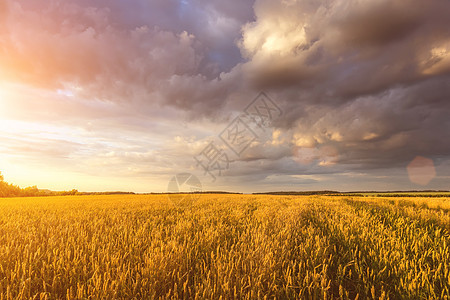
<point>224,246</point>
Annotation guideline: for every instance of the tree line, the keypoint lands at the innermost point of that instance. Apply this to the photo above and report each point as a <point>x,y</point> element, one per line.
<point>11,190</point>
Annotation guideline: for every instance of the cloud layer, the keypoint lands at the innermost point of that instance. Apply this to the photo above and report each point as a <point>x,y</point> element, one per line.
<point>137,90</point>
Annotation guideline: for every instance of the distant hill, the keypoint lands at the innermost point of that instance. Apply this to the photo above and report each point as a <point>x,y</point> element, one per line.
<point>299,193</point>
<point>424,193</point>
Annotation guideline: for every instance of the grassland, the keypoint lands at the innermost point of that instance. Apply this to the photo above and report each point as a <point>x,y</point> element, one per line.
<point>229,246</point>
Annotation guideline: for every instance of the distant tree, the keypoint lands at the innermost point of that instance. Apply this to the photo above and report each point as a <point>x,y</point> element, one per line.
<point>30,191</point>
<point>10,190</point>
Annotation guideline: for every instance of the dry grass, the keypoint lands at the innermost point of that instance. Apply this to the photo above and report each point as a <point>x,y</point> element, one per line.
<point>229,246</point>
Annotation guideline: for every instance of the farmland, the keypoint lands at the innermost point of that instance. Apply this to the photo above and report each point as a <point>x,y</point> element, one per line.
<point>229,246</point>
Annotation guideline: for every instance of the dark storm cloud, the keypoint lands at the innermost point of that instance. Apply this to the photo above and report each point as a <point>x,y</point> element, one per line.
<point>379,24</point>
<point>349,48</point>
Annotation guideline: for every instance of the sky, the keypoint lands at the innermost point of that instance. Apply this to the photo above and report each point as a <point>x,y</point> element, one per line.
<point>246,96</point>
